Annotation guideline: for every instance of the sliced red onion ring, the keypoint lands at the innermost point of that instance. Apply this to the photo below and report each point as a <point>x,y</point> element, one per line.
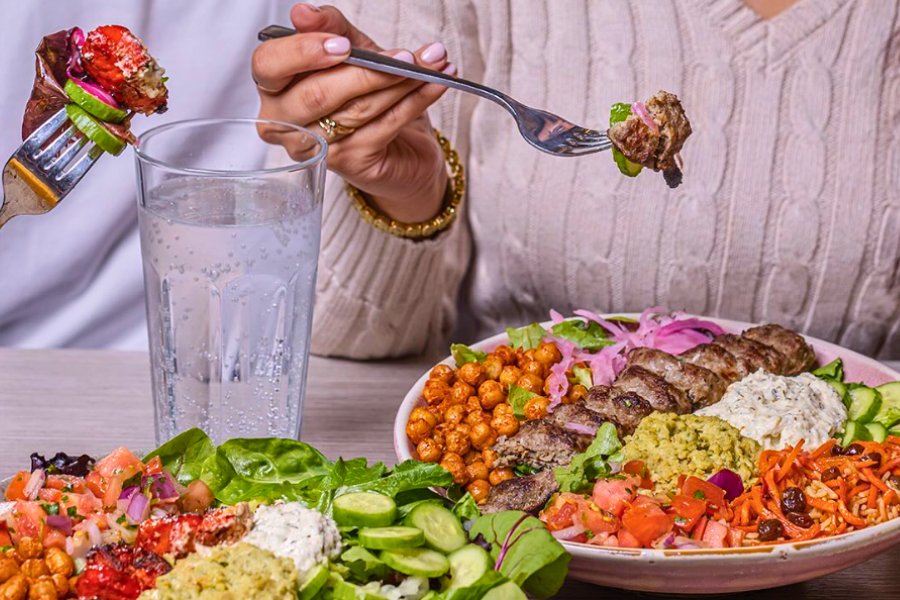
<point>162,486</point>
<point>640,109</point>
<point>569,532</point>
<point>35,483</point>
<point>729,481</point>
<point>579,428</point>
<point>94,90</point>
<point>74,62</point>
<point>78,37</point>
<point>138,509</point>
<point>128,492</point>
<point>61,523</point>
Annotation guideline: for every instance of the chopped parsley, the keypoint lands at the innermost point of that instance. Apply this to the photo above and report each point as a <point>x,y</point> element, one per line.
<point>68,488</point>
<point>65,498</point>
<point>50,509</point>
<point>72,511</point>
<point>699,495</point>
<point>121,519</point>
<point>589,534</point>
<point>6,548</point>
<point>680,520</point>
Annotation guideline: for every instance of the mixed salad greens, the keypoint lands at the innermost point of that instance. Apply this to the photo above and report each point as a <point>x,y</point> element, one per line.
<point>392,523</point>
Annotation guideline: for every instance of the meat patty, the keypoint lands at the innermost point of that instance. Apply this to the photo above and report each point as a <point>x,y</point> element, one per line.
<point>798,355</point>
<point>662,395</point>
<point>755,356</point>
<point>529,494</point>
<point>718,360</point>
<point>539,444</point>
<point>579,414</point>
<point>702,386</point>
<point>624,410</point>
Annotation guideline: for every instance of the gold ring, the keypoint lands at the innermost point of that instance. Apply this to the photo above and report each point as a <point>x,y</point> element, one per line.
<point>333,129</point>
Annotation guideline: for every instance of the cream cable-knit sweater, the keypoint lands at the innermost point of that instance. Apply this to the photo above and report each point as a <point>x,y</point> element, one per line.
<point>790,210</point>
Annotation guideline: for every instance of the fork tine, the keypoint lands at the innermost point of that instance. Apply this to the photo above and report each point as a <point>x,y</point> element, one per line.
<point>46,155</point>
<point>40,135</point>
<point>54,168</point>
<point>81,166</point>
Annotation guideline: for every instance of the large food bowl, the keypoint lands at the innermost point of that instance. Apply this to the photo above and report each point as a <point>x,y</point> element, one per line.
<point>721,571</point>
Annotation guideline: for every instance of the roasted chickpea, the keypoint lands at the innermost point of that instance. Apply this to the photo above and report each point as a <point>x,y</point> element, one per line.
<point>473,404</point>
<point>483,436</point>
<point>458,442</point>
<point>471,456</point>
<point>535,368</point>
<point>536,408</point>
<point>547,353</point>
<point>530,382</point>
<point>498,476</point>
<point>454,464</point>
<point>565,400</point>
<point>577,393</point>
<point>29,547</point>
<point>491,394</point>
<point>472,373</point>
<point>489,457</point>
<point>59,562</point>
<point>439,435</point>
<point>460,392</point>
<point>523,357</point>
<point>428,451</point>
<point>476,417</point>
<point>442,373</point>
<point>42,589</point>
<point>436,391</point>
<point>506,354</point>
<point>33,568</point>
<point>493,365</point>
<point>479,489</point>
<point>510,375</point>
<point>505,424</point>
<point>73,582</point>
<point>16,588</point>
<point>61,583</point>
<point>503,409</point>
<point>8,569</point>
<point>417,430</point>
<point>477,470</point>
<point>455,414</point>
<point>422,413</point>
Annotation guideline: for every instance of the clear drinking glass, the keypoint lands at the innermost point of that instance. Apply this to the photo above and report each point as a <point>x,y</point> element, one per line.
<point>230,230</point>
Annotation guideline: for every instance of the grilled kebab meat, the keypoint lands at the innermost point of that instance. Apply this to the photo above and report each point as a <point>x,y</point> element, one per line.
<point>755,356</point>
<point>539,444</point>
<point>797,355</point>
<point>579,414</point>
<point>716,359</point>
<point>179,535</point>
<point>120,572</point>
<point>662,396</point>
<point>701,386</point>
<point>529,494</point>
<point>625,411</point>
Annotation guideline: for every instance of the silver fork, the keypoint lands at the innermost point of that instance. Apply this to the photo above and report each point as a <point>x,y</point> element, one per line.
<point>44,168</point>
<point>543,130</point>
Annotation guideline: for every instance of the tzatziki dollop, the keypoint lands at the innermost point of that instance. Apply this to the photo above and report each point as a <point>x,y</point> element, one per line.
<point>779,411</point>
<point>292,531</point>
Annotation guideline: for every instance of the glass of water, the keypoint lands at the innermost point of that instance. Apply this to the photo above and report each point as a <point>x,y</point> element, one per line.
<point>230,228</point>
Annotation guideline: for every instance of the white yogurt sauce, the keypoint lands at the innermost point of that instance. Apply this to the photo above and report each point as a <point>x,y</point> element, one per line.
<point>293,531</point>
<point>779,411</point>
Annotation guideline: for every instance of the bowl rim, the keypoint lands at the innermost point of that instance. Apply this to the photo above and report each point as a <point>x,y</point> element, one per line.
<point>867,536</point>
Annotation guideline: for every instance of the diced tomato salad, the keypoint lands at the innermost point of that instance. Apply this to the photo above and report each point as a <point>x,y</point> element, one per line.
<point>624,512</point>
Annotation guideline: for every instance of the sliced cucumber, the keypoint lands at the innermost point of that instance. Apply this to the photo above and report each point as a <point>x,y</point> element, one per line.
<point>890,404</point>
<point>854,431</point>
<point>95,132</point>
<point>877,432</point>
<point>895,430</point>
<point>888,417</point>
<point>391,538</point>
<point>313,582</point>
<point>419,562</point>
<point>92,104</point>
<point>467,565</point>
<point>506,591</point>
<point>344,590</point>
<point>865,402</point>
<point>364,509</point>
<point>440,526</point>
<point>841,390</point>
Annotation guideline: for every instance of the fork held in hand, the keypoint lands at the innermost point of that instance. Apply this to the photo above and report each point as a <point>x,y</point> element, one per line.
<point>543,130</point>
<point>45,168</point>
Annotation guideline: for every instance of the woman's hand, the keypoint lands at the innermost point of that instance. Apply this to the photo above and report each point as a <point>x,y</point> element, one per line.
<point>392,155</point>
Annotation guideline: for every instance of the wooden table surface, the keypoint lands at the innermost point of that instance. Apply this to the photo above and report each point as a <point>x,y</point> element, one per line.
<point>90,401</point>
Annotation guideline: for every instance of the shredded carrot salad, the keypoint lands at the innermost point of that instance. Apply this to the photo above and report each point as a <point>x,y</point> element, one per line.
<point>843,489</point>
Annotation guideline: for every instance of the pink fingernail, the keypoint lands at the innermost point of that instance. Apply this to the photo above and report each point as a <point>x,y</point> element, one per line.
<point>434,52</point>
<point>450,70</point>
<point>405,56</point>
<point>311,7</point>
<point>337,45</point>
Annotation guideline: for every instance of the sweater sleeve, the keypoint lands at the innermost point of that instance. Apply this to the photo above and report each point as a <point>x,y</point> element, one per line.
<point>378,295</point>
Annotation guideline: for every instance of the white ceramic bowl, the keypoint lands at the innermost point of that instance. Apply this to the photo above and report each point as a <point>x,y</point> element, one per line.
<point>711,571</point>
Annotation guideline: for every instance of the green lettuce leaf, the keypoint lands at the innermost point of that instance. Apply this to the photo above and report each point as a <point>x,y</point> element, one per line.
<point>592,464</point>
<point>583,376</point>
<point>343,474</point>
<point>363,565</point>
<point>466,508</point>
<point>532,558</point>
<point>526,338</point>
<point>264,469</point>
<point>517,398</point>
<point>618,113</point>
<point>588,336</point>
<point>525,470</point>
<point>408,475</point>
<point>183,456</point>
<point>833,370</point>
<point>462,354</point>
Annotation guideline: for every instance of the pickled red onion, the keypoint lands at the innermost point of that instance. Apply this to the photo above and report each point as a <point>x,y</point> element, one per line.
<point>94,90</point>
<point>640,109</point>
<point>580,428</point>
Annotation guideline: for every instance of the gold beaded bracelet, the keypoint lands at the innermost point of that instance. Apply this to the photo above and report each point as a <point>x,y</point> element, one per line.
<point>425,229</point>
